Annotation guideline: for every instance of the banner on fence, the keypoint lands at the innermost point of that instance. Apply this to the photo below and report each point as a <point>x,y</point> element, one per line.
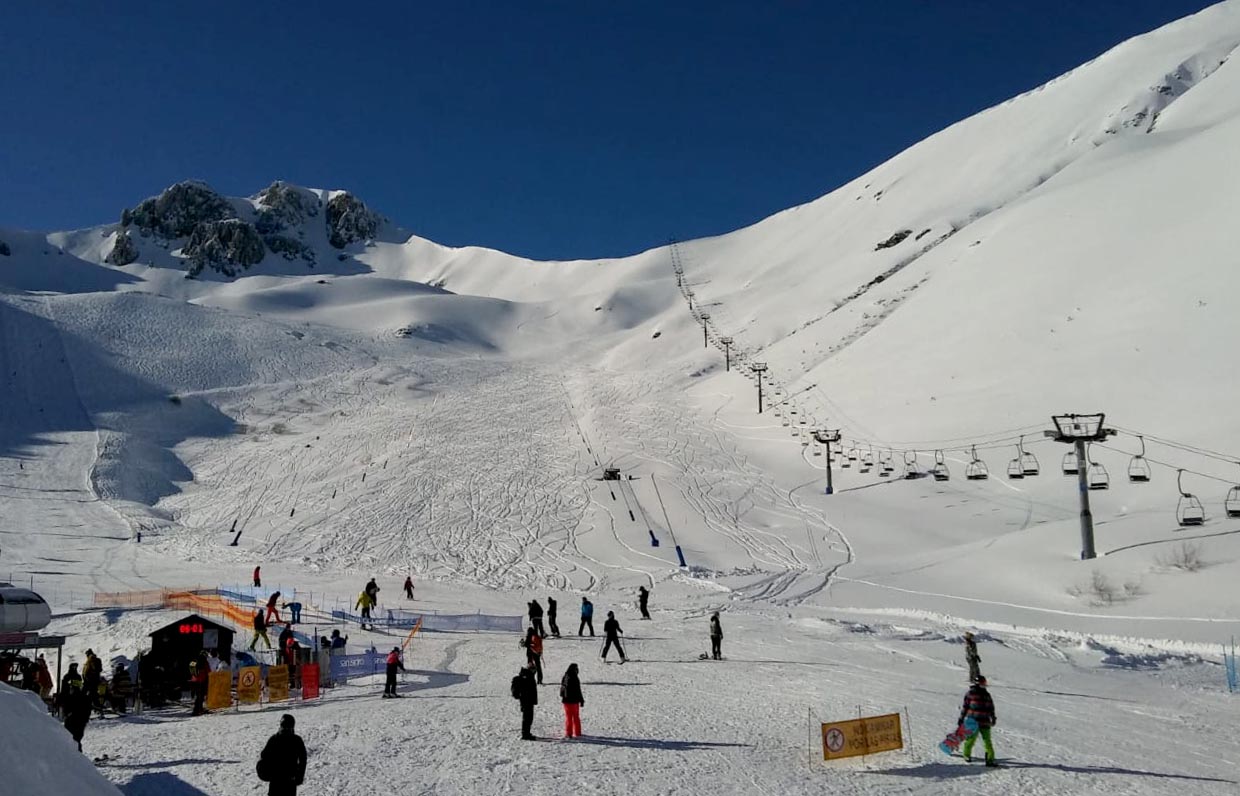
<point>310,681</point>
<point>347,666</point>
<point>249,685</point>
<point>219,690</point>
<point>864,736</point>
<point>277,683</point>
<point>440,622</point>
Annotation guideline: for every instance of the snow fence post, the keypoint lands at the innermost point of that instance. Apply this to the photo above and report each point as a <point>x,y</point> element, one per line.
<point>908,721</point>
<point>809,726</point>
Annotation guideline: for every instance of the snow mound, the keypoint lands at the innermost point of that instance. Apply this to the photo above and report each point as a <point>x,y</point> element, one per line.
<point>38,756</point>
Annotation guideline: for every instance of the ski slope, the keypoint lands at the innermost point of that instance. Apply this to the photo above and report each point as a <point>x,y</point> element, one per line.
<point>407,408</point>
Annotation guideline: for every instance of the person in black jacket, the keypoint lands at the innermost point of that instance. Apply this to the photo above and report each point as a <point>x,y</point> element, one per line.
<point>716,637</point>
<point>283,762</point>
<point>551,625</point>
<point>536,617</point>
<point>611,628</point>
<point>526,691</point>
<point>643,600</point>
<point>573,700</point>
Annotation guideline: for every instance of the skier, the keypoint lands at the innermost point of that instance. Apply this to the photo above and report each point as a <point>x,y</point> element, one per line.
<point>408,587</point>
<point>393,663</point>
<point>372,589</point>
<point>260,630</point>
<point>574,701</point>
<point>533,652</point>
<point>643,598</point>
<point>979,706</point>
<point>271,608</point>
<point>716,637</point>
<point>283,762</point>
<point>294,609</point>
<point>525,691</point>
<point>536,618</point>
<point>258,580</point>
<point>611,628</point>
<point>365,601</point>
<point>587,617</point>
<point>971,656</point>
<point>551,625</point>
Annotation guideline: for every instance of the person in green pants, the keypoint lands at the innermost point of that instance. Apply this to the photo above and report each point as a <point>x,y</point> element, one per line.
<point>981,708</point>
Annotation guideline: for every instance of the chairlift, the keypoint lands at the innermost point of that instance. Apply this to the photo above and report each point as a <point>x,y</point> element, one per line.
<point>844,460</point>
<point>1188,511</point>
<point>1232,504</point>
<point>1138,468</point>
<point>1028,462</point>
<point>976,470</point>
<point>1014,471</point>
<point>1070,465</point>
<point>868,461</point>
<point>940,471</point>
<point>888,468</point>
<point>1099,478</point>
<point>910,464</point>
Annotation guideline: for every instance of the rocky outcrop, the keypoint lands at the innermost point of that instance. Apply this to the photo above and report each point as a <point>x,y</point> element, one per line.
<point>349,220</point>
<point>177,211</point>
<point>282,206</point>
<point>124,250</point>
<point>229,246</point>
<point>289,248</point>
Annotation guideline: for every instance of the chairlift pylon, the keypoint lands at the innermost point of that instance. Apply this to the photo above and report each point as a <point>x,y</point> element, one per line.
<point>976,470</point>
<point>1188,511</point>
<point>940,471</point>
<point>1138,468</point>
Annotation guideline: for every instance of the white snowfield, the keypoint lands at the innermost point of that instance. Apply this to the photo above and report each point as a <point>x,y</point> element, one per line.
<point>448,413</point>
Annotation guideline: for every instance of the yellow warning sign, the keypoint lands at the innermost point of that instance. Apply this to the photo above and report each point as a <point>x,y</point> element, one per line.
<point>864,736</point>
<point>249,685</point>
<point>219,690</point>
<point>277,683</point>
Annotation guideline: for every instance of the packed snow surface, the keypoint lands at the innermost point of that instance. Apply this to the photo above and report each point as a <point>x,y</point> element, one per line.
<point>397,407</point>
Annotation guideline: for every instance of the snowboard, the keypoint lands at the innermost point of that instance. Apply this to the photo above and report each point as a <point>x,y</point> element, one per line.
<point>951,744</point>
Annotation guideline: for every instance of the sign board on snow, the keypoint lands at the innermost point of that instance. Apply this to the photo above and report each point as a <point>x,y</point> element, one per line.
<point>310,681</point>
<point>249,684</point>
<point>277,683</point>
<point>219,690</point>
<point>864,736</point>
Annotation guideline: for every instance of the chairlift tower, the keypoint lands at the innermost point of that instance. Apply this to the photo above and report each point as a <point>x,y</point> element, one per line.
<point>705,316</point>
<point>827,437</point>
<point>1077,430</point>
<point>759,368</point>
<point>727,353</point>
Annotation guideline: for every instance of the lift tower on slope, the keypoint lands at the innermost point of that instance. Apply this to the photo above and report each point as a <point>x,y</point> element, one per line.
<point>727,353</point>
<point>705,316</point>
<point>828,437</point>
<point>1077,430</point>
<point>759,368</point>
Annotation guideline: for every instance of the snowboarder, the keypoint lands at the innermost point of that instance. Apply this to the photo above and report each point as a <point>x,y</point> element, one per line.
<point>971,656</point>
<point>643,599</point>
<point>611,628</point>
<point>372,589</point>
<point>393,664</point>
<point>294,609</point>
<point>408,587</point>
<point>525,691</point>
<point>536,618</point>
<point>574,701</point>
<point>587,617</point>
<point>365,602</point>
<point>258,580</point>
<point>272,610</point>
<point>283,762</point>
<point>981,708</point>
<point>716,637</point>
<point>533,652</point>
<point>260,630</point>
<point>551,625</point>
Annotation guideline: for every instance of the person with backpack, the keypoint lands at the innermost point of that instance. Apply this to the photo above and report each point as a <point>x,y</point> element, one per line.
<point>551,625</point>
<point>365,602</point>
<point>611,629</point>
<point>536,618</point>
<point>971,657</point>
<point>979,706</point>
<point>643,600</point>
<point>408,587</point>
<point>587,617</point>
<point>716,637</point>
<point>393,665</point>
<point>283,762</point>
<point>525,691</point>
<point>533,652</point>
<point>573,700</point>
<point>260,630</point>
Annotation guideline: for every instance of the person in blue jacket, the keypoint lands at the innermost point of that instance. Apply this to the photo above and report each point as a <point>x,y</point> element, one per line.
<point>587,616</point>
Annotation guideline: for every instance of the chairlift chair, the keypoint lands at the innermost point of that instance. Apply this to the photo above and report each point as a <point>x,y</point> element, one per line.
<point>1188,511</point>
<point>1098,477</point>
<point>1070,465</point>
<point>940,471</point>
<point>1015,471</point>
<point>1232,503</point>
<point>1139,468</point>
<point>1028,462</point>
<point>910,464</point>
<point>976,469</point>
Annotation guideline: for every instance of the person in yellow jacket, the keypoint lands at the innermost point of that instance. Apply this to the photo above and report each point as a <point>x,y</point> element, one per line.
<point>366,601</point>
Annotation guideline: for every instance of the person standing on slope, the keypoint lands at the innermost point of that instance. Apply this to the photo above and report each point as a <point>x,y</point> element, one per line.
<point>533,652</point>
<point>365,602</point>
<point>258,580</point>
<point>283,762</point>
<point>393,664</point>
<point>611,628</point>
<point>971,657</point>
<point>260,630</point>
<point>979,706</point>
<point>536,617</point>
<point>573,700</point>
<point>587,617</point>
<point>408,587</point>
<point>551,625</point>
<point>643,599</point>
<point>372,589</point>
<point>716,637</point>
<point>525,691</point>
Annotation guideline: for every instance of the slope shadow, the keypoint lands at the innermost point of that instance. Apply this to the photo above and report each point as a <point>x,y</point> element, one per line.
<point>189,761</point>
<point>956,770</point>
<point>160,783</point>
<point>606,682</point>
<point>933,771</point>
<point>655,743</point>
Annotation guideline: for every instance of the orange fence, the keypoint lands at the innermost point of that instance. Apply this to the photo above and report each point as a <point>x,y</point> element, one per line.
<point>202,602</point>
<point>152,598</point>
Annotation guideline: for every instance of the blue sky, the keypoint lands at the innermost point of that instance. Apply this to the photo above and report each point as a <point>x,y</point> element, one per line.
<point>547,129</point>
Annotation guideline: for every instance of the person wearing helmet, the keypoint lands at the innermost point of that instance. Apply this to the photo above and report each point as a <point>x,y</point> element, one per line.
<point>979,706</point>
<point>393,664</point>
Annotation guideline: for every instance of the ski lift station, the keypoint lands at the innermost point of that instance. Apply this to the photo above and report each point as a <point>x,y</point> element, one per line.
<point>22,611</point>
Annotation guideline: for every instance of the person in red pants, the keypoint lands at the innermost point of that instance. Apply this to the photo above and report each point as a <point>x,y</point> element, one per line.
<point>571,696</point>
